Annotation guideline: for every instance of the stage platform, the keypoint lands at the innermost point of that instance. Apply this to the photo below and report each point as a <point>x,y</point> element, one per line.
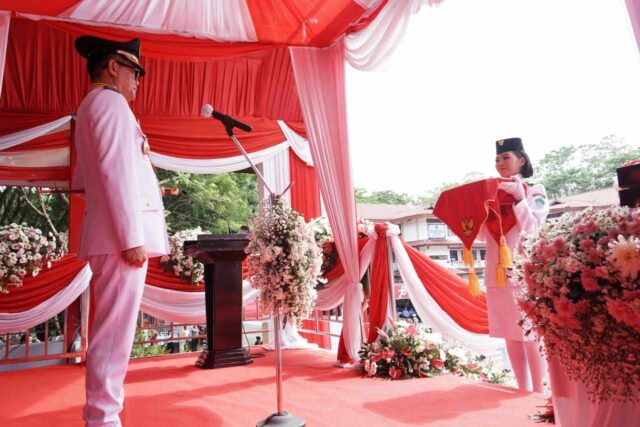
<point>171,391</point>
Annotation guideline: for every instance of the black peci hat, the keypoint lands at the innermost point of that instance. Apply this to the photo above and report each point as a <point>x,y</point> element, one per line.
<point>509,144</point>
<point>90,45</point>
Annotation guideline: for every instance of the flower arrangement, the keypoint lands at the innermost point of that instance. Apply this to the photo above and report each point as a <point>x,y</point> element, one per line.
<point>411,350</point>
<point>581,294</point>
<point>324,239</point>
<point>185,267</point>
<point>24,251</point>
<point>284,261</point>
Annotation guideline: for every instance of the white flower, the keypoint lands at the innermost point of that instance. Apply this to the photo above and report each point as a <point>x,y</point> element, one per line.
<point>625,256</point>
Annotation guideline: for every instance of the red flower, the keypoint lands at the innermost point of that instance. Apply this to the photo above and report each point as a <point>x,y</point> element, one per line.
<point>395,373</point>
<point>437,363</point>
<point>388,354</point>
<point>376,357</point>
<point>407,352</point>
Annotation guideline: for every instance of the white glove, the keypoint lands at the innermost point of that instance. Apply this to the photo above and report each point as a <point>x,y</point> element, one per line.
<point>514,188</point>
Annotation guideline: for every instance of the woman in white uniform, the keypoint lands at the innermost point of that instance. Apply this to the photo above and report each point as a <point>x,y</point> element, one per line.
<point>531,208</point>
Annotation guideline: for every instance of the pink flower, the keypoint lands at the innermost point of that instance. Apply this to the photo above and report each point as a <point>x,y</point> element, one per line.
<point>565,307</point>
<point>590,227</point>
<point>411,331</point>
<point>471,366</point>
<point>431,346</point>
<point>437,363</point>
<point>394,373</point>
<point>559,244</point>
<point>376,357</point>
<point>602,272</point>
<point>625,312</point>
<point>586,244</point>
<point>588,279</point>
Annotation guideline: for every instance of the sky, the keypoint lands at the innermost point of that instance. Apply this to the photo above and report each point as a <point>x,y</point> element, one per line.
<point>469,72</point>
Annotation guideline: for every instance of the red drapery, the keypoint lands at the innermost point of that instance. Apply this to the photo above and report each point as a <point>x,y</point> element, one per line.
<point>287,21</point>
<point>451,293</point>
<point>48,8</point>
<point>36,290</point>
<point>379,297</point>
<point>309,22</point>
<point>157,277</point>
<point>305,193</point>
<point>252,84</point>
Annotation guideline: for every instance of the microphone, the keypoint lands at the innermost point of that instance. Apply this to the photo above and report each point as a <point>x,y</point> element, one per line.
<point>228,121</point>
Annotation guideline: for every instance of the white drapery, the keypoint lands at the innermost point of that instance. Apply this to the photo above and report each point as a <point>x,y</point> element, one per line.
<point>369,48</point>
<point>299,145</point>
<point>332,294</point>
<point>35,158</point>
<point>431,313</point>
<point>11,322</point>
<point>183,307</point>
<point>226,164</point>
<point>320,81</point>
<point>277,175</point>
<point>17,138</point>
<point>60,157</point>
<point>221,20</point>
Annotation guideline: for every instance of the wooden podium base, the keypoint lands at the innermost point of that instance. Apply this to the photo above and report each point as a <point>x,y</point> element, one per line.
<point>223,359</point>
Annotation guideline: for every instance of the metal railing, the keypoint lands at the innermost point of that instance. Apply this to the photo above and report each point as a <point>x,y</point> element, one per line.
<point>156,332</point>
<point>55,339</point>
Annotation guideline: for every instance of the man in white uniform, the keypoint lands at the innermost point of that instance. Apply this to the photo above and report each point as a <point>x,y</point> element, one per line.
<point>124,217</point>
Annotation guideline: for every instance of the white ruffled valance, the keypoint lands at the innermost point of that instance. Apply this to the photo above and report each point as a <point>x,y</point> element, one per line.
<point>222,20</point>
<point>369,48</point>
<point>227,164</point>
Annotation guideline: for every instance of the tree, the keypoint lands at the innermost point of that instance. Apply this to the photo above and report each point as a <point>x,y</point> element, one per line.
<point>48,212</point>
<point>385,196</point>
<point>577,169</point>
<point>218,203</point>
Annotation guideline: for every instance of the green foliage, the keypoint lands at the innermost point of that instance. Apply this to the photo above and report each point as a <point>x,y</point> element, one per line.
<point>218,203</point>
<point>385,196</point>
<point>47,212</point>
<point>146,350</point>
<point>577,169</point>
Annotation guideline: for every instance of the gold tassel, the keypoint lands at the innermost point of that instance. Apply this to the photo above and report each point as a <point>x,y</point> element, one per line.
<point>467,257</point>
<point>501,276</point>
<point>505,254</point>
<point>474,283</point>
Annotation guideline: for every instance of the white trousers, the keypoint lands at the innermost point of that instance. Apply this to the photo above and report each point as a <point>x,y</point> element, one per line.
<point>117,289</point>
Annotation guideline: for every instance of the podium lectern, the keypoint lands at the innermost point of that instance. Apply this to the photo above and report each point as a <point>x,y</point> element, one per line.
<point>222,256</point>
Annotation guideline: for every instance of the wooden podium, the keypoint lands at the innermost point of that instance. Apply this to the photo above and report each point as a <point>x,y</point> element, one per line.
<point>222,256</point>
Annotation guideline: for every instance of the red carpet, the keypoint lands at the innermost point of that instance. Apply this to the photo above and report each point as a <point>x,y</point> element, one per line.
<point>171,391</point>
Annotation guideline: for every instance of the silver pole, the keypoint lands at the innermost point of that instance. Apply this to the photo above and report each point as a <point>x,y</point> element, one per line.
<point>278,361</point>
<point>255,169</point>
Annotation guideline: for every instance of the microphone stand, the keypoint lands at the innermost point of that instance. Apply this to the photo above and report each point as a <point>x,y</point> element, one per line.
<point>280,418</point>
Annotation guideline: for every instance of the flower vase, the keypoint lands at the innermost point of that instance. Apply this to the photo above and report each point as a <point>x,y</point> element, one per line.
<point>572,407</point>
